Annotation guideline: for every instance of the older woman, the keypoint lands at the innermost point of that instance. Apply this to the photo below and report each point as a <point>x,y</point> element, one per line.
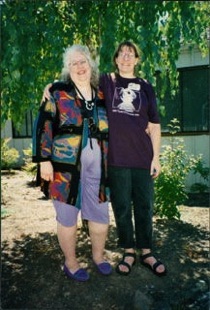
<point>70,144</point>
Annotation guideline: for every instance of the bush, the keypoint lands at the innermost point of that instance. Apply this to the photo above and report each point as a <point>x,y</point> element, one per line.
<point>203,172</point>
<point>9,156</point>
<point>170,185</point>
<point>4,213</point>
<point>29,167</point>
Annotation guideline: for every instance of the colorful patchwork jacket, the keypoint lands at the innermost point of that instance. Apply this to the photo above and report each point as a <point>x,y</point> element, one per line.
<point>61,130</point>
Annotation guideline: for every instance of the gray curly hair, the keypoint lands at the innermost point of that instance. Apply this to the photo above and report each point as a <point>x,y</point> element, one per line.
<point>85,51</point>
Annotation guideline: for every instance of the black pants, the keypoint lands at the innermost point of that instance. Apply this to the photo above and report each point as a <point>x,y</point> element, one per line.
<point>131,193</point>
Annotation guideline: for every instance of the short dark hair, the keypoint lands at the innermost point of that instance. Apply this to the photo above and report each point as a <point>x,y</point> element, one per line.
<point>130,45</point>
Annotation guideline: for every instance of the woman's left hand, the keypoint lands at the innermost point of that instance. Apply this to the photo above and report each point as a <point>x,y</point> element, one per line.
<point>155,168</point>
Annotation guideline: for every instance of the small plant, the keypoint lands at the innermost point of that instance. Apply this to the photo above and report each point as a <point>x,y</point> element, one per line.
<point>29,167</point>
<point>170,185</point>
<point>204,173</point>
<point>9,156</point>
<point>4,213</point>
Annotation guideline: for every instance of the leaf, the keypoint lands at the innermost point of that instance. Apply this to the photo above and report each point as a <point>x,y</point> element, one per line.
<point>35,34</point>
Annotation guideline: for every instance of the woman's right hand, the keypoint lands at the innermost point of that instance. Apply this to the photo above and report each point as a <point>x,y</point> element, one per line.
<point>46,170</point>
<point>46,93</point>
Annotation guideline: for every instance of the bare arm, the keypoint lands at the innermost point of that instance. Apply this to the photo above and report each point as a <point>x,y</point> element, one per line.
<point>155,135</point>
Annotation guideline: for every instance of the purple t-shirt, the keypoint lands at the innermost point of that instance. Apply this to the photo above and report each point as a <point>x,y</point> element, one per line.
<point>130,104</point>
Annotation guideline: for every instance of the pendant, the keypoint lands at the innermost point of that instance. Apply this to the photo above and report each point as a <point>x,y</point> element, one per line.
<point>89,105</point>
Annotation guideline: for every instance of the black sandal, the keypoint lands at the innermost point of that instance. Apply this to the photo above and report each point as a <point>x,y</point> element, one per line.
<point>122,262</point>
<point>154,266</point>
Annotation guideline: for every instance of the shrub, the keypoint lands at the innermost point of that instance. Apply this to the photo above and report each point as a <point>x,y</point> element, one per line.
<point>29,167</point>
<point>4,213</point>
<point>9,156</point>
<point>203,172</point>
<point>170,185</point>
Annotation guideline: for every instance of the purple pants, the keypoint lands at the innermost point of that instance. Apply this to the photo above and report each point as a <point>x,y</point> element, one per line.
<point>90,176</point>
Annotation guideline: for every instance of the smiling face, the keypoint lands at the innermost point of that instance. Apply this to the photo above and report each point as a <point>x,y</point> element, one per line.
<point>126,61</point>
<point>79,68</point>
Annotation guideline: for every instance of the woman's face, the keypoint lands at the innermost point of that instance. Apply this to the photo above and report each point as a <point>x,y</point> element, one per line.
<point>79,68</point>
<point>126,61</point>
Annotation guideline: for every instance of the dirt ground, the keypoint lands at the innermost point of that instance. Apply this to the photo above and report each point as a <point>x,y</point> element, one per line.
<point>32,276</point>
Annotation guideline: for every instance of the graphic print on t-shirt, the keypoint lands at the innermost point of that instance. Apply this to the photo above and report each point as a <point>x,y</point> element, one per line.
<point>127,100</point>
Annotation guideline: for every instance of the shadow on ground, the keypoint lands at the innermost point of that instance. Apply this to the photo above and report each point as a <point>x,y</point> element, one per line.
<point>32,276</point>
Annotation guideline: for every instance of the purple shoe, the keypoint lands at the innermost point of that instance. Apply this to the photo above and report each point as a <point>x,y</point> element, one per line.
<point>104,268</point>
<point>80,275</point>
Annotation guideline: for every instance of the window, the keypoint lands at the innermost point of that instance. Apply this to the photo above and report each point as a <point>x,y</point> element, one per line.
<point>26,129</point>
<point>191,104</point>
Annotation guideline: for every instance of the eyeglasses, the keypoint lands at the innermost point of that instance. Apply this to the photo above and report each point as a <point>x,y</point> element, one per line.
<point>74,64</point>
<point>129,55</point>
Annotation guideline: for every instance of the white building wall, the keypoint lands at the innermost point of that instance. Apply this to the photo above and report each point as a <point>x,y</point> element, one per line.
<point>191,57</point>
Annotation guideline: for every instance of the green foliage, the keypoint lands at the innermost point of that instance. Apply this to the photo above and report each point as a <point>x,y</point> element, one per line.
<point>176,164</point>
<point>9,156</point>
<point>4,213</point>
<point>204,173</point>
<point>35,33</point>
<point>29,166</point>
